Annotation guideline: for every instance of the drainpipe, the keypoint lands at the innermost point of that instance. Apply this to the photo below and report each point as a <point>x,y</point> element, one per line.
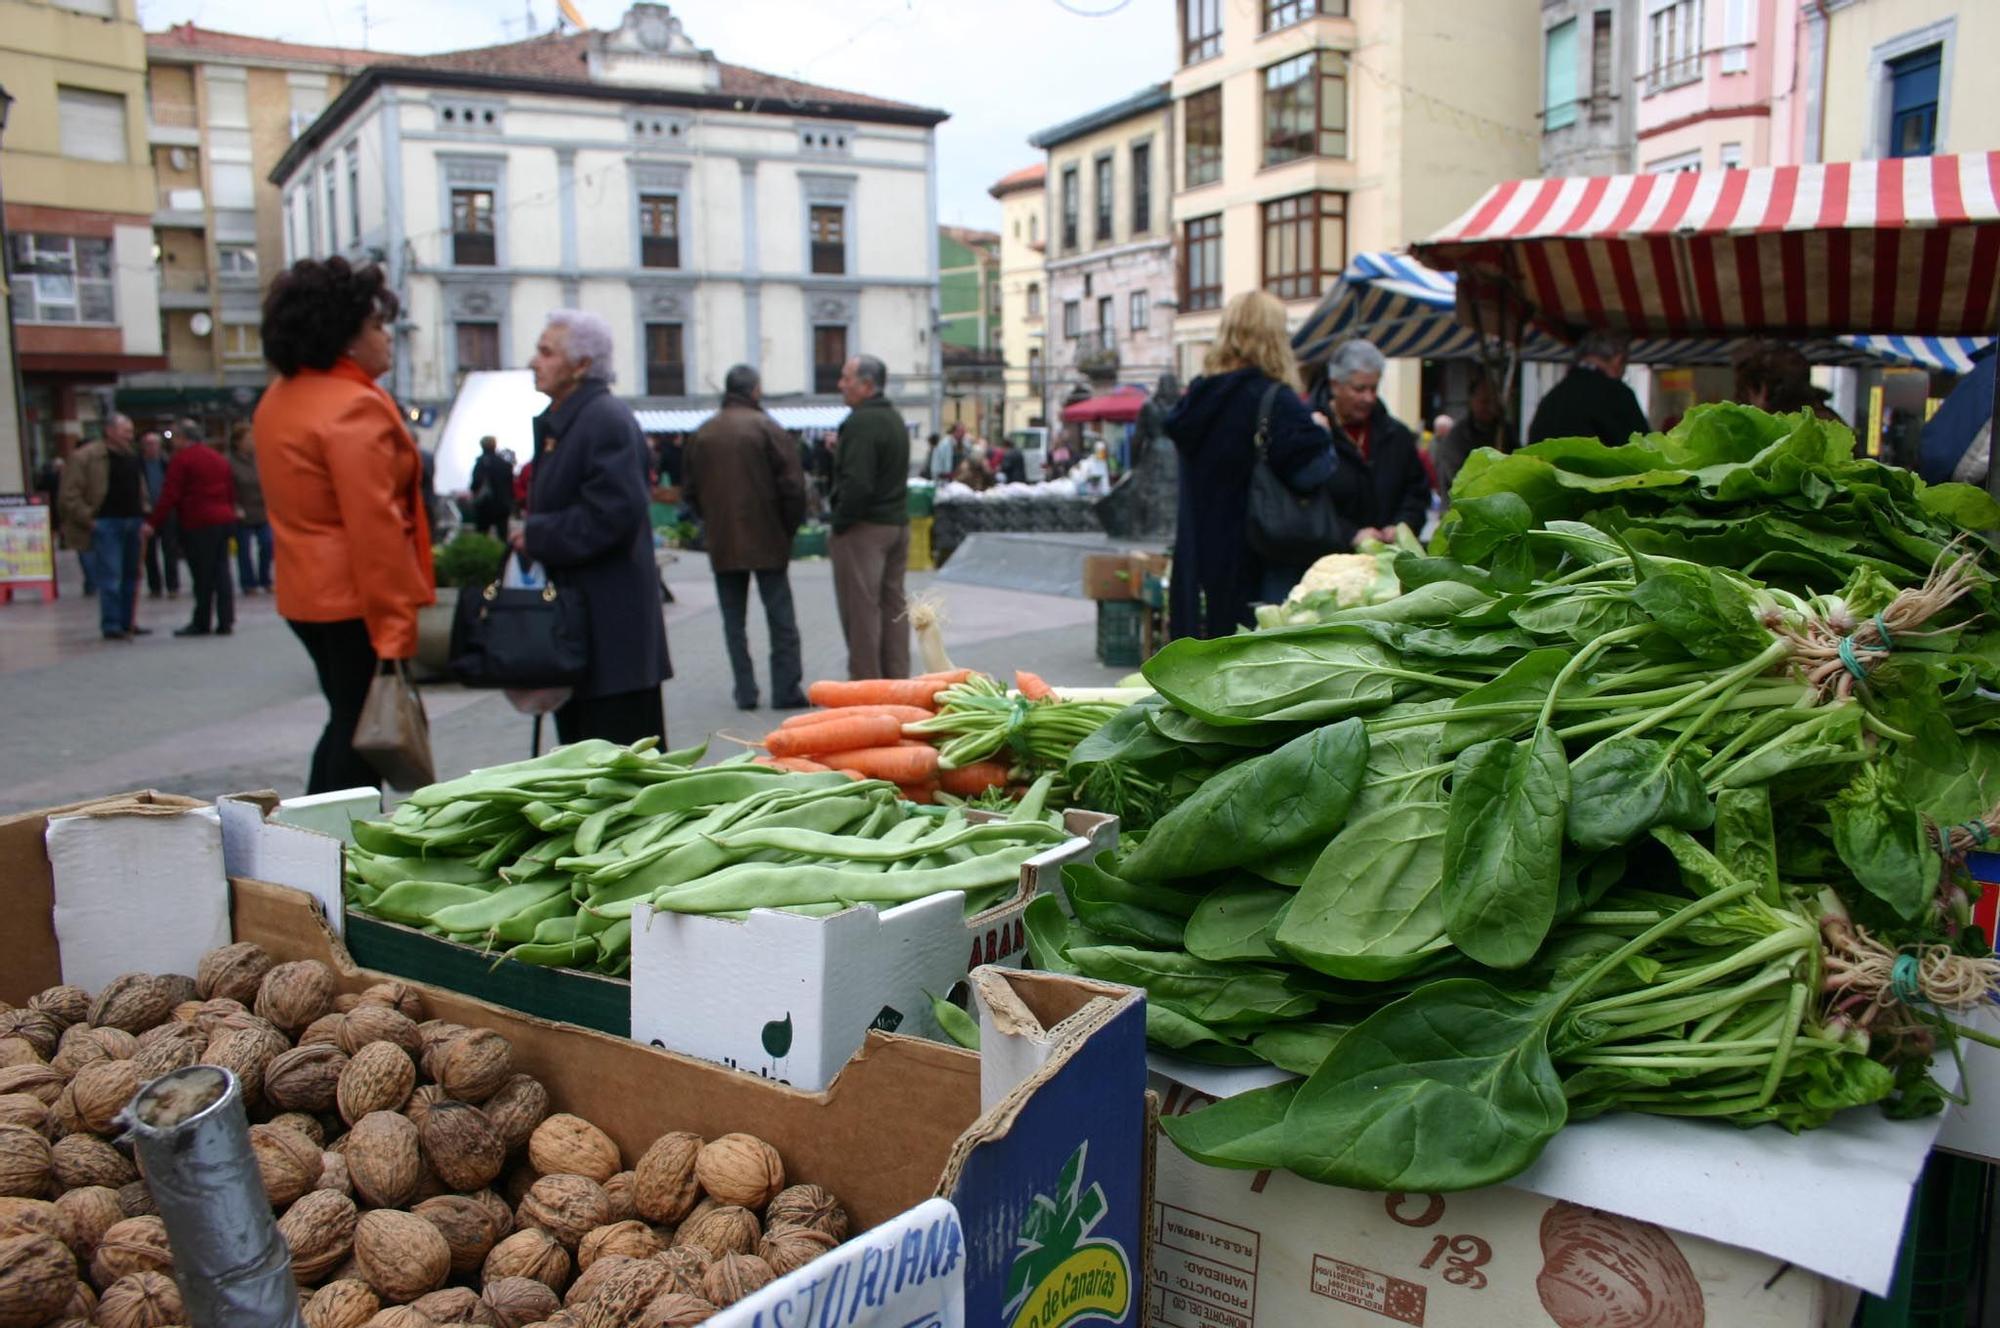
<point>1815,126</point>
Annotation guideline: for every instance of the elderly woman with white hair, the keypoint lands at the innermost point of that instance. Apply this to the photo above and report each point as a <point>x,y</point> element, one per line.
<point>1380,479</point>
<point>588,524</point>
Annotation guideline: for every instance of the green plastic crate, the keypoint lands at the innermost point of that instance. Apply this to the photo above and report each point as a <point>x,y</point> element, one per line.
<point>566,995</point>
<point>1119,626</point>
<point>809,542</point>
<point>1936,1272</point>
<point>923,500</point>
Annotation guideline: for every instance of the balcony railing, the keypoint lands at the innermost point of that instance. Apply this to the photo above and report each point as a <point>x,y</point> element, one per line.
<point>172,115</point>
<point>184,281</point>
<point>1097,351</point>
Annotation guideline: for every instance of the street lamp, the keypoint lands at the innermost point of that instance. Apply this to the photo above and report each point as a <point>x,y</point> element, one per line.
<point>13,337</point>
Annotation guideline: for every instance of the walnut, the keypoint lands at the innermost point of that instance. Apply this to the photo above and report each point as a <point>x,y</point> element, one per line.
<point>665,1188</point>
<point>90,1210</point>
<point>26,1162</point>
<point>25,1110</point>
<point>401,1255</point>
<point>305,1078</point>
<point>734,1276</point>
<point>674,1309</point>
<point>788,1249</point>
<point>19,1051</point>
<point>572,1145</point>
<point>36,1080</point>
<point>383,1160</point>
<point>134,1002</point>
<point>566,1206</point>
<point>471,1067</point>
<point>530,1253</point>
<point>623,1192</point>
<point>461,1146</point>
<point>81,1045</point>
<point>367,1023</point>
<point>685,1265</point>
<point>84,1159</point>
<point>304,1122</point>
<point>380,1077</point>
<point>453,1305</point>
<point>519,1301</point>
<point>725,1229</point>
<point>633,1239</point>
<point>219,1014</point>
<point>82,1307</point>
<point>135,1245</point>
<point>333,1175</point>
<point>319,1228</point>
<point>135,1200</point>
<point>348,1303</point>
<point>398,996</point>
<point>740,1169</point>
<point>435,1033</point>
<point>468,1227</point>
<point>63,1117</point>
<point>165,1055</point>
<point>233,972</point>
<point>247,1053</point>
<point>807,1206</point>
<point>590,1281</point>
<point>101,1092</point>
<point>37,1277</point>
<point>400,1316</point>
<point>38,1028</point>
<point>327,1028</point>
<point>69,1004</point>
<point>516,1108</point>
<point>516,1181</point>
<point>288,1160</point>
<point>140,1300</point>
<point>622,1289</point>
<point>34,1217</point>
<point>293,995</point>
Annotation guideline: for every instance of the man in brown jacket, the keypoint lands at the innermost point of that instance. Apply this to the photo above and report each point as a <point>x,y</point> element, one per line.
<point>742,476</point>
<point>101,503</point>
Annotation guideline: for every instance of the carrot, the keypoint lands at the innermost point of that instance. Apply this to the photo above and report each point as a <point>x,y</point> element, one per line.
<point>902,765</point>
<point>835,736</point>
<point>919,692</point>
<point>1031,686</point>
<point>944,678</point>
<point>799,765</point>
<point>925,794</point>
<point>906,714</point>
<point>969,781</point>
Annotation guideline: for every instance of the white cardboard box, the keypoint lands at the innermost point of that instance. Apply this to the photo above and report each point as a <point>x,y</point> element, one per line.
<point>792,998</point>
<point>139,888</point>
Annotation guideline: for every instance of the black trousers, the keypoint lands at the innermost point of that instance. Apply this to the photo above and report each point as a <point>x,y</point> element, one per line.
<point>622,717</point>
<point>208,563</point>
<point>345,661</point>
<point>164,551</point>
<point>774,587</point>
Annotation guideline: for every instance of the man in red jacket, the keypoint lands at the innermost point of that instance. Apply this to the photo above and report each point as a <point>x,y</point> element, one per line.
<point>201,490</point>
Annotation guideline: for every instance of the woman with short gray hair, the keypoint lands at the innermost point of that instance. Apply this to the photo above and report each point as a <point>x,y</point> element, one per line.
<point>588,524</point>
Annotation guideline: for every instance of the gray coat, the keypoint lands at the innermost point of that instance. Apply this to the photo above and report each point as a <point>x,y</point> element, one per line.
<point>589,522</point>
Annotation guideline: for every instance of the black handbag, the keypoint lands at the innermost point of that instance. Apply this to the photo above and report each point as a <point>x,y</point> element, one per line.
<point>1286,528</point>
<point>519,637</point>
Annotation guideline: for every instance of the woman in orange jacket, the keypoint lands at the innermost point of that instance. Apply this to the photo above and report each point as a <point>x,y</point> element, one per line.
<point>343,485</point>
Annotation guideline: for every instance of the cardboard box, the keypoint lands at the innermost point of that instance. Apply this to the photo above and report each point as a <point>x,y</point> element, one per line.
<point>1120,575</point>
<point>1067,1133</point>
<point>1243,1249</point>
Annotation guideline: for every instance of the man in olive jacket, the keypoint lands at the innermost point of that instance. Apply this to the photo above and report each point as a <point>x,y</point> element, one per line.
<point>870,546</point>
<point>742,476</point>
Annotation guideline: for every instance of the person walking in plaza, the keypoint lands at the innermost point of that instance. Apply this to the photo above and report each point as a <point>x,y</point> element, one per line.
<point>102,503</point>
<point>743,477</point>
<point>870,545</point>
<point>162,556</point>
<point>1592,400</point>
<point>589,523</point>
<point>253,522</point>
<point>200,493</point>
<point>1379,477</point>
<point>947,452</point>
<point>492,489</point>
<point>343,488</point>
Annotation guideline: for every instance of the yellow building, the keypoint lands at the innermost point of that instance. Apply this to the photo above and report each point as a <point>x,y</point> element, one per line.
<point>1900,78</point>
<point>79,205</point>
<point>1023,290</point>
<point>1309,130</point>
<point>224,108</point>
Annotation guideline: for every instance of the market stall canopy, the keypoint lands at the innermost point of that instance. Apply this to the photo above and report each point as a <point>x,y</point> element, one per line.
<point>1906,246</point>
<point>787,417</point>
<point>1409,311</point>
<point>1119,407</point>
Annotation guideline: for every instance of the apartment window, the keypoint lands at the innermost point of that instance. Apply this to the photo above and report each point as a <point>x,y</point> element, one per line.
<point>1202,125</point>
<point>1284,13</point>
<point>228,98</point>
<point>1142,188</point>
<point>62,279</point>
<point>827,223</point>
<point>1601,65</point>
<point>1913,102</point>
<point>1673,45</point>
<point>1142,310</point>
<point>660,231</point>
<point>1035,369</point>
<point>1201,263</point>
<point>1305,108</point>
<point>1034,299</point>
<point>1106,318</point>
<point>1069,208</point>
<point>472,228</point>
<point>1072,319</point>
<point>1680,161</point>
<point>236,186</point>
<point>333,207</point>
<point>829,358</point>
<point>91,124</point>
<point>99,8</point>
<point>1103,200</point>
<point>1736,37</point>
<point>1305,244</point>
<point>308,100</point>
<point>1730,158</point>
<point>1201,30</point>
<point>235,260</point>
<point>666,363</point>
<point>1559,76</point>
<point>478,346</point>
<point>242,343</point>
<point>353,156</point>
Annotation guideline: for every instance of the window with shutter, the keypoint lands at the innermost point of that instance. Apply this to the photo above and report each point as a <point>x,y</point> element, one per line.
<point>92,124</point>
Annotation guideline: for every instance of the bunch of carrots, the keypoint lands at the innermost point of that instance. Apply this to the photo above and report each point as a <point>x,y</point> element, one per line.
<point>859,729</point>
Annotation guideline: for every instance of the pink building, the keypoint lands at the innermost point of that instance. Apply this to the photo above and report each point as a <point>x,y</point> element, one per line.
<point>1719,83</point>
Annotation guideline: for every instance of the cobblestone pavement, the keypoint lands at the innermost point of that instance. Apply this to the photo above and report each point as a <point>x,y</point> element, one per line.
<point>82,717</point>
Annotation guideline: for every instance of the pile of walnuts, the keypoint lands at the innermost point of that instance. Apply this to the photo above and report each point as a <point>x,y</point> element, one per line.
<point>419,1179</point>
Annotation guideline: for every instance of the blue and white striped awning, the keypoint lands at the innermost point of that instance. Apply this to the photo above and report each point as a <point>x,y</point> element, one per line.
<point>788,417</point>
<point>1410,312</point>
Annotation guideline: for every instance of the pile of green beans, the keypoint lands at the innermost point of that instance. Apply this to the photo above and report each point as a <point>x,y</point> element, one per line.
<point>544,861</point>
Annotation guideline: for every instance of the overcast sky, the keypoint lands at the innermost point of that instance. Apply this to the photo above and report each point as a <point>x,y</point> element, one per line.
<point>1002,68</point>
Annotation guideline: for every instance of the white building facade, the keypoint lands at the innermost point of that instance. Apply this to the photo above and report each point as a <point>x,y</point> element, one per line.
<point>711,214</point>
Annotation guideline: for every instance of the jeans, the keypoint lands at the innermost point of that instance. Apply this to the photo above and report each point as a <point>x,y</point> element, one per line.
<point>345,662</point>
<point>257,577</point>
<point>774,587</point>
<point>208,562</point>
<point>113,562</point>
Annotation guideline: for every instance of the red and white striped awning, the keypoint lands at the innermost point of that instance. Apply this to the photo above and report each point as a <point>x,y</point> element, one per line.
<point>1904,246</point>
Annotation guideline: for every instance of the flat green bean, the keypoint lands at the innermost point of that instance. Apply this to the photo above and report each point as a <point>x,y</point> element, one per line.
<point>853,848</point>
<point>415,902</point>
<point>755,885</point>
<point>959,1026</point>
<point>522,927</point>
<point>485,914</point>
